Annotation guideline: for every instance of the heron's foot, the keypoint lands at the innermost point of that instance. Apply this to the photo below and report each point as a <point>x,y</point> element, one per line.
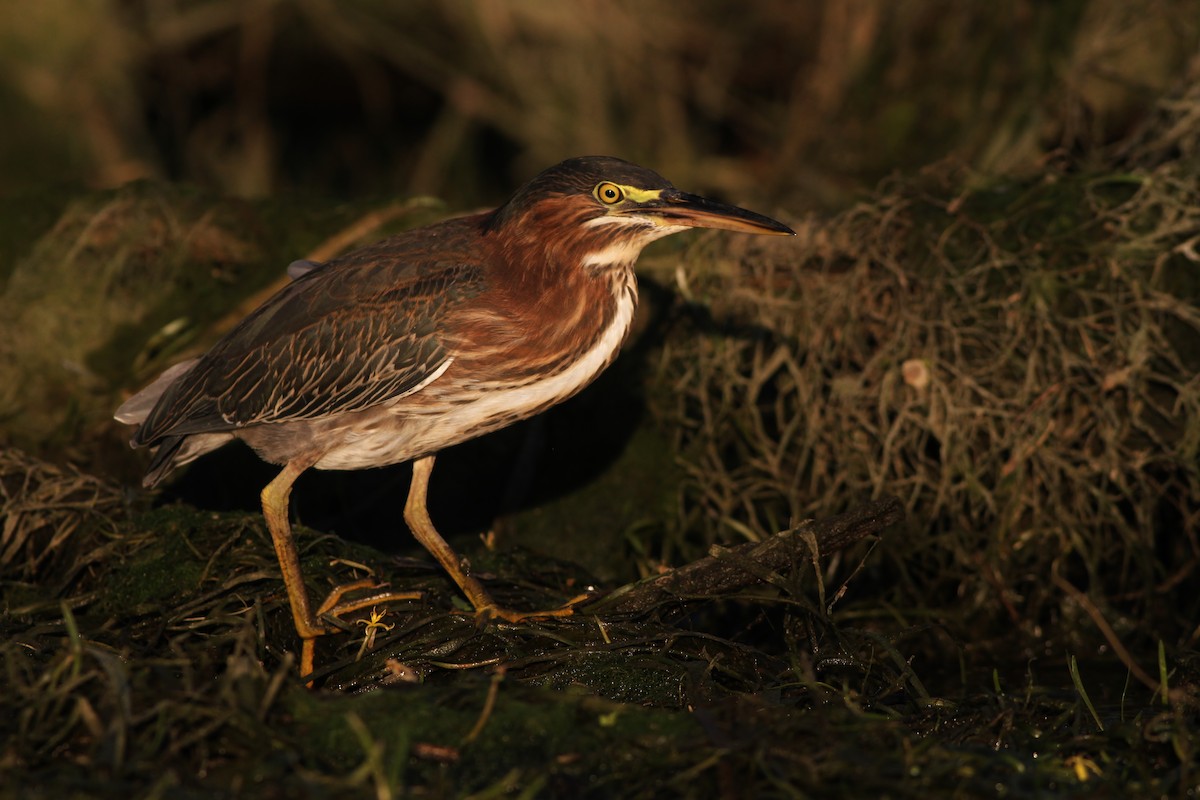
<point>333,606</point>
<point>328,620</point>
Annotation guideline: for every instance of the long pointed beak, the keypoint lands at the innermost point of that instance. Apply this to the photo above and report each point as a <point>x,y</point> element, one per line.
<point>680,208</point>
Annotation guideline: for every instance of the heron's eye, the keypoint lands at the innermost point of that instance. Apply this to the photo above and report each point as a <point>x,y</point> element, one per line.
<point>609,193</point>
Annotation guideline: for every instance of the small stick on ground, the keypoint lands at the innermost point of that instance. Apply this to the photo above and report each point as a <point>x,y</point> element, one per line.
<point>736,567</point>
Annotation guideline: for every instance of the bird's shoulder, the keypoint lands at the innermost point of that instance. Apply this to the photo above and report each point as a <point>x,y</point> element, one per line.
<point>404,277</point>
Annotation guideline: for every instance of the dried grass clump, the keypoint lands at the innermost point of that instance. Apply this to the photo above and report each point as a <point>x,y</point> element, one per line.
<point>42,510</point>
<point>1017,363</point>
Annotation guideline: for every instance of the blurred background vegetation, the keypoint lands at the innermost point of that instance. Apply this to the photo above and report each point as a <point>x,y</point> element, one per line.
<point>801,102</point>
<point>991,311</point>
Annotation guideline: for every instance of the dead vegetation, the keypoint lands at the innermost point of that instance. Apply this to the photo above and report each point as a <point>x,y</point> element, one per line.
<point>1017,363</point>
<point>44,509</point>
<point>1006,341</point>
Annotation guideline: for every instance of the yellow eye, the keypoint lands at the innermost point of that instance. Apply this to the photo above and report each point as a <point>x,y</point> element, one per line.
<point>609,193</point>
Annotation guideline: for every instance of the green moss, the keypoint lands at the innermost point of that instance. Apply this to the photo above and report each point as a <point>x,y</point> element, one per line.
<point>164,565</point>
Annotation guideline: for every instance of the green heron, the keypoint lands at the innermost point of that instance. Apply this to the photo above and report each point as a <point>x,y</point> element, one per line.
<point>421,341</point>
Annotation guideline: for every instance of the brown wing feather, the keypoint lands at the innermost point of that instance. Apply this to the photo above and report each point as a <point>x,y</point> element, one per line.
<point>353,334</point>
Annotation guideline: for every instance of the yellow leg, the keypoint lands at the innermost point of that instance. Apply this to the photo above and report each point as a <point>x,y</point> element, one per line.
<point>275,499</point>
<point>275,509</point>
<point>417,516</point>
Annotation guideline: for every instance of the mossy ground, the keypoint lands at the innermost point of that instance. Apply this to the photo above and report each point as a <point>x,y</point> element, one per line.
<point>1023,379</point>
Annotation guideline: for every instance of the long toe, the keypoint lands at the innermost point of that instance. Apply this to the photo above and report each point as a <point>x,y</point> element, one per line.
<point>487,613</point>
<point>379,593</point>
